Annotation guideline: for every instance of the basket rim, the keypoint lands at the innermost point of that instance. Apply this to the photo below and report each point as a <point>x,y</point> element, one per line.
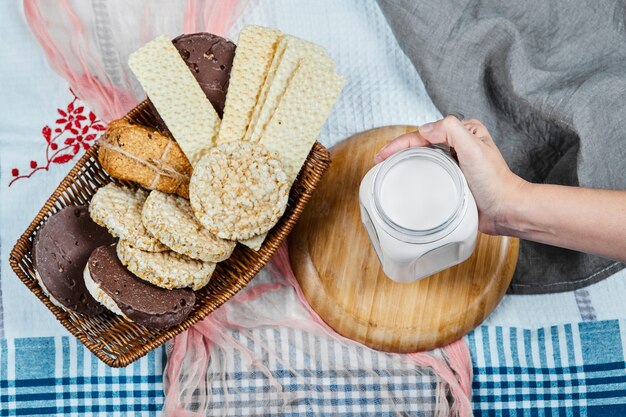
<point>21,249</point>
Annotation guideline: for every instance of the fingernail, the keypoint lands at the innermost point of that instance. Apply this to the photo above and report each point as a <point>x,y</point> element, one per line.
<point>426,127</point>
<point>377,158</point>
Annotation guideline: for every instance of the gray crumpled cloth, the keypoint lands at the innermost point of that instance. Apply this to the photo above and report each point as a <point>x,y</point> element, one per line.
<point>548,79</point>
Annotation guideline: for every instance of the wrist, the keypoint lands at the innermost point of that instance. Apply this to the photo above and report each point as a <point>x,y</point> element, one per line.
<point>515,207</point>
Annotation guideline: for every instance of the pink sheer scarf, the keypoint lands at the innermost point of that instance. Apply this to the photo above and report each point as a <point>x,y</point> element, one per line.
<point>191,374</point>
<point>88,44</point>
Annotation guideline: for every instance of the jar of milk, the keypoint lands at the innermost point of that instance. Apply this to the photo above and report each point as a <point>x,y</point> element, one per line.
<point>419,213</point>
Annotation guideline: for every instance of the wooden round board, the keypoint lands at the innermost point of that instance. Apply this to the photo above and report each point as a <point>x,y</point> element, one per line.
<point>340,276</point>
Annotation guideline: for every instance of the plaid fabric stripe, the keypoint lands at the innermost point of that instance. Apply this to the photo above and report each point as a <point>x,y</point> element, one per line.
<point>58,376</point>
<point>332,392</point>
<point>566,370</point>
<point>313,375</point>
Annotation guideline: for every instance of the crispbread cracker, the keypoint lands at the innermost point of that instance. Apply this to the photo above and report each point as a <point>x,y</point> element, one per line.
<point>119,210</point>
<point>165,269</point>
<point>253,56</point>
<point>281,46</point>
<point>301,113</point>
<point>170,219</point>
<point>290,52</point>
<point>238,190</point>
<point>175,93</point>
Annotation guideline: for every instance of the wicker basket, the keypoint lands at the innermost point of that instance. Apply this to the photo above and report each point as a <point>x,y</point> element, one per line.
<point>113,339</point>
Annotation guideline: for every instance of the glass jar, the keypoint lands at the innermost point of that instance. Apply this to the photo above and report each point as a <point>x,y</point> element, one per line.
<point>419,213</point>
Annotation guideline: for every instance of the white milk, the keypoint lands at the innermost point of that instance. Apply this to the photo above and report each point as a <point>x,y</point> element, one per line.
<point>418,195</point>
<point>419,213</point>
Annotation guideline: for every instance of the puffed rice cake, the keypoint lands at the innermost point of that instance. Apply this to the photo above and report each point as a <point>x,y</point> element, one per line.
<point>238,190</point>
<point>165,269</point>
<point>170,219</point>
<point>118,209</point>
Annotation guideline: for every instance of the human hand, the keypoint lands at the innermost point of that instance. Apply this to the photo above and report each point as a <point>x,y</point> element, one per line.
<point>495,188</point>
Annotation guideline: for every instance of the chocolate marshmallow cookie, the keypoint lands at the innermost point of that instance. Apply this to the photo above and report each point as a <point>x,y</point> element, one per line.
<point>60,252</point>
<point>125,294</point>
<point>210,59</point>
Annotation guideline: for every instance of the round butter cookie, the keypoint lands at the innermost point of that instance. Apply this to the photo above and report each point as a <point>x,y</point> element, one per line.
<point>143,155</point>
<point>238,190</point>
<point>165,269</point>
<point>118,209</point>
<point>126,295</point>
<point>170,219</point>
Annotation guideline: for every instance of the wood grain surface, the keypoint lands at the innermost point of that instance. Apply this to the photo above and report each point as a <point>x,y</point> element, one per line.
<point>341,278</point>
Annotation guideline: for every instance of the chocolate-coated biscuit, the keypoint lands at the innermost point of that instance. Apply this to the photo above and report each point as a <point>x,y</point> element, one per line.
<point>138,300</point>
<point>60,252</point>
<point>210,59</point>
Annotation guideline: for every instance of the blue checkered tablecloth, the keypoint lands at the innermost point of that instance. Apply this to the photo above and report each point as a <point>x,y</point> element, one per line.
<point>565,370</point>
<point>58,376</point>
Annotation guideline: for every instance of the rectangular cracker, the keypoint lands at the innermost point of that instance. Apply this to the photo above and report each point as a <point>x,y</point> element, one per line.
<point>289,53</point>
<point>301,113</point>
<point>253,57</point>
<point>281,45</point>
<point>299,117</point>
<point>177,96</point>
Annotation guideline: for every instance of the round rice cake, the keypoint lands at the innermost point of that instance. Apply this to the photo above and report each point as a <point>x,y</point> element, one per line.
<point>118,209</point>
<point>238,190</point>
<point>165,269</point>
<point>170,219</point>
